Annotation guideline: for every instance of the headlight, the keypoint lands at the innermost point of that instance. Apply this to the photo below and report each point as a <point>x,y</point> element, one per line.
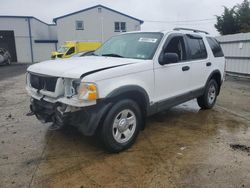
<point>87,91</point>
<point>27,78</point>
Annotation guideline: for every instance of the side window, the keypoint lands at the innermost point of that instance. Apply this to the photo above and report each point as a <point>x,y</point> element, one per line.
<point>79,25</point>
<point>123,26</point>
<point>120,27</point>
<point>70,51</point>
<point>215,47</point>
<point>117,26</point>
<point>177,45</point>
<point>196,47</point>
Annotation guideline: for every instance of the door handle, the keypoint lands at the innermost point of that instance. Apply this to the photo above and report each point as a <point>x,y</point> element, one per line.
<point>209,64</point>
<point>185,68</point>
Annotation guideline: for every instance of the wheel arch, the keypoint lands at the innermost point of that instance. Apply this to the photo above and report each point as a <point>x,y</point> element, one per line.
<point>133,92</point>
<point>216,75</point>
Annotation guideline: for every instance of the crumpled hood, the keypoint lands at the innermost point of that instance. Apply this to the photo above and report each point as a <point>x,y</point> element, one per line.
<point>76,67</point>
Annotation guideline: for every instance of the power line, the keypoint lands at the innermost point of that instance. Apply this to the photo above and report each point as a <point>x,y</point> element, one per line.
<point>180,21</point>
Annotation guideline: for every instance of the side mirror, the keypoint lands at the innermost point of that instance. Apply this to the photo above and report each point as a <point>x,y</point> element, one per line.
<point>167,58</point>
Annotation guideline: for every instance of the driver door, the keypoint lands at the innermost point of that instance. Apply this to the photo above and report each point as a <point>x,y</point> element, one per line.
<point>172,80</point>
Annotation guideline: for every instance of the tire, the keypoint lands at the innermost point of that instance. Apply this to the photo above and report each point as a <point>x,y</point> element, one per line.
<point>8,62</point>
<point>208,99</point>
<point>121,126</point>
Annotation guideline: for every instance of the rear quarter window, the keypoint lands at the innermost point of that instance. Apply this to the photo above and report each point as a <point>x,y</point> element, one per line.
<point>215,47</point>
<point>197,49</point>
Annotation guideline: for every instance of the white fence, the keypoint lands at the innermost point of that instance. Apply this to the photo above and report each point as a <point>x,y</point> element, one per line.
<point>237,52</point>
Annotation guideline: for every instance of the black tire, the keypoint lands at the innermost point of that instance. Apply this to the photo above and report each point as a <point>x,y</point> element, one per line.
<point>8,62</point>
<point>107,130</point>
<point>206,102</point>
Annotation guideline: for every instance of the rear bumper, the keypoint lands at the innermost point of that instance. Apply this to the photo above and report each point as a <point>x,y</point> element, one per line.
<point>85,119</point>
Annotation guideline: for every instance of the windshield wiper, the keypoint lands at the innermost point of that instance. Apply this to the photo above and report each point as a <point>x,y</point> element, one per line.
<point>113,55</point>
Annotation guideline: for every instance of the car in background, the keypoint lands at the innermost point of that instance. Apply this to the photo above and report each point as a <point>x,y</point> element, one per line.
<point>4,56</point>
<point>70,48</point>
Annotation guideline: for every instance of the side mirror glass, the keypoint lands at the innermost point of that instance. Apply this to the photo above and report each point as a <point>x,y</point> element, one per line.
<point>167,58</point>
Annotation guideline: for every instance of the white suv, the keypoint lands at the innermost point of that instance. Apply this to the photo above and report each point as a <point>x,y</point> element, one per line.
<point>131,76</point>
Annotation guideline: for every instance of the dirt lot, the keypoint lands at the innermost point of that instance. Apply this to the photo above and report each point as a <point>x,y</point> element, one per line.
<point>181,147</point>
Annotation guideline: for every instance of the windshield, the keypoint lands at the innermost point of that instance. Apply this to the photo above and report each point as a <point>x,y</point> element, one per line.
<point>131,45</point>
<point>62,49</point>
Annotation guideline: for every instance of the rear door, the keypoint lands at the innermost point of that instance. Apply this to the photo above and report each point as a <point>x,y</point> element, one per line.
<point>198,61</point>
<point>216,56</point>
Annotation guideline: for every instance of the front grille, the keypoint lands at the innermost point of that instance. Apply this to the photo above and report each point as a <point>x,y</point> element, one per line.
<point>43,82</point>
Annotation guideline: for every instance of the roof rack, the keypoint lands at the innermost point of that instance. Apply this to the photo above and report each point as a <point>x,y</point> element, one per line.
<point>188,29</point>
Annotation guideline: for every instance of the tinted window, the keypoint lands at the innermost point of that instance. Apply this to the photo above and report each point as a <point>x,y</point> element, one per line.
<point>70,51</point>
<point>215,47</point>
<point>176,45</point>
<point>197,48</point>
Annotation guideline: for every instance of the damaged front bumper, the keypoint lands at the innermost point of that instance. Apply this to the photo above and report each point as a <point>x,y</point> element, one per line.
<point>86,119</point>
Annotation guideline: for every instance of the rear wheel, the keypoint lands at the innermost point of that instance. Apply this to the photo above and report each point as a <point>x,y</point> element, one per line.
<point>121,126</point>
<point>208,99</point>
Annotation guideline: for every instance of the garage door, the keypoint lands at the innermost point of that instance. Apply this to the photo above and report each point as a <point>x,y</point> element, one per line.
<point>7,41</point>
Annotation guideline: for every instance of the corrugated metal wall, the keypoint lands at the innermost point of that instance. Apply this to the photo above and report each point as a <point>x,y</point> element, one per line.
<point>241,66</point>
<point>237,52</point>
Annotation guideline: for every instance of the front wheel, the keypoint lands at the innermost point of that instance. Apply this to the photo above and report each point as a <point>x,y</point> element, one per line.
<point>208,99</point>
<point>121,126</point>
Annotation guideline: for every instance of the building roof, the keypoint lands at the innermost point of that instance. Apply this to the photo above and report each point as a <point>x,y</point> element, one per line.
<point>240,37</point>
<point>97,6</point>
<point>26,17</point>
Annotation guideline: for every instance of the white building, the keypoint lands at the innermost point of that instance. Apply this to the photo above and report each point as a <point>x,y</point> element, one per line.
<point>96,23</point>
<point>236,49</point>
<point>29,39</point>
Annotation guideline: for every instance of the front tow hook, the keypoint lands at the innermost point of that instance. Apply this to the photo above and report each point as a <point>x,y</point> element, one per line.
<point>31,112</point>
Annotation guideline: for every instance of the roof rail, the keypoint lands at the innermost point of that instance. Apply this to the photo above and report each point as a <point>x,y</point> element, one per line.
<point>188,29</point>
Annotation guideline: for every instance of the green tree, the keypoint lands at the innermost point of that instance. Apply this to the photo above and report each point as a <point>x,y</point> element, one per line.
<point>243,16</point>
<point>227,23</point>
<point>234,20</point>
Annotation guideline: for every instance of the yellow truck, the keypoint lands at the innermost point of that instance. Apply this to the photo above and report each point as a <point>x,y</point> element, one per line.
<point>70,48</point>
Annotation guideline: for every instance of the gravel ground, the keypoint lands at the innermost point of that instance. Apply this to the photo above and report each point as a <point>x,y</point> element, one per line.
<point>181,147</point>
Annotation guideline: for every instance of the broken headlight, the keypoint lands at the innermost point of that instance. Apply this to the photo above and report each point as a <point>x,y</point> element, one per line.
<point>85,91</point>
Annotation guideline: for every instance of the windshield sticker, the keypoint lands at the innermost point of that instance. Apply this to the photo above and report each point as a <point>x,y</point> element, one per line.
<point>150,40</point>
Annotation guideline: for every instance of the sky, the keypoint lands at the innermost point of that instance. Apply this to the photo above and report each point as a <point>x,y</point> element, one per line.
<point>157,14</point>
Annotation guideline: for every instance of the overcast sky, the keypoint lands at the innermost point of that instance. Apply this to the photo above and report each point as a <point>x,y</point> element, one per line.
<point>170,11</point>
